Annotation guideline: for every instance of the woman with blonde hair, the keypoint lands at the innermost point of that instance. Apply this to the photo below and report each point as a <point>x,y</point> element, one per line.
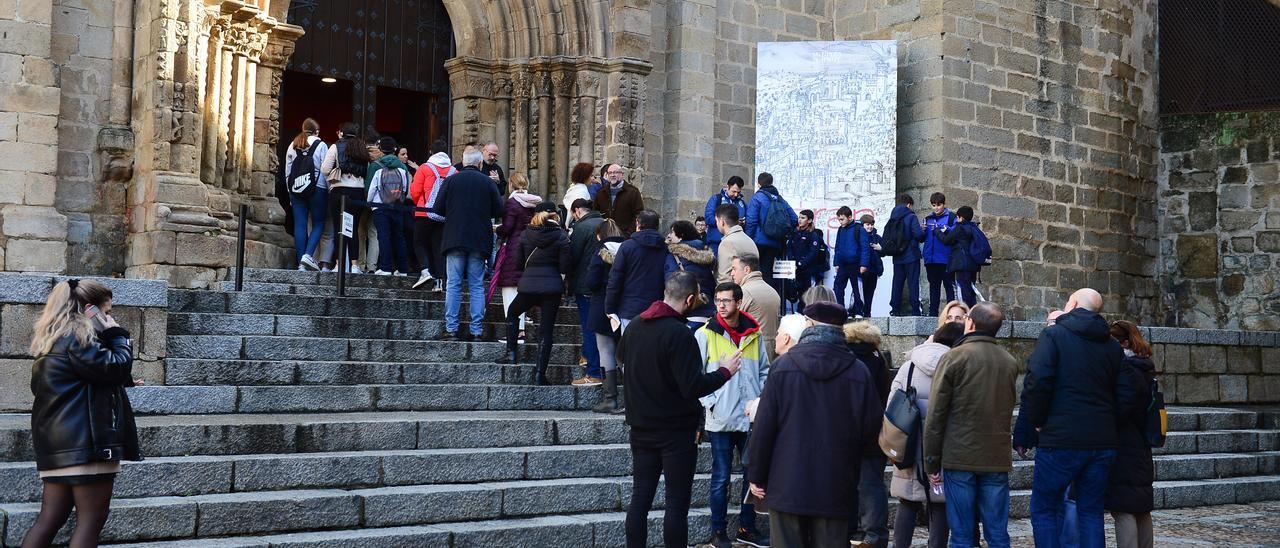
<point>953,312</point>
<point>81,421</point>
<point>519,212</point>
<point>542,255</point>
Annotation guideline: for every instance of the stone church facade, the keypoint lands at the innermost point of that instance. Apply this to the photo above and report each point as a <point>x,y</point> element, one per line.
<point>131,132</point>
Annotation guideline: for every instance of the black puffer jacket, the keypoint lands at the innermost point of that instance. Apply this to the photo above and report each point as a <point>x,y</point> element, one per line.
<point>597,284</point>
<point>1130,490</point>
<point>1071,391</point>
<point>543,254</point>
<point>871,357</point>
<point>81,413</point>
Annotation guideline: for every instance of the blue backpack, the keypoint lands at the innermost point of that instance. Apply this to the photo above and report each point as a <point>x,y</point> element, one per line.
<point>777,223</point>
<point>980,248</point>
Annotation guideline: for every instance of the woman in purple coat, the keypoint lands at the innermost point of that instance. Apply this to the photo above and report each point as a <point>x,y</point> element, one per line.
<point>519,212</point>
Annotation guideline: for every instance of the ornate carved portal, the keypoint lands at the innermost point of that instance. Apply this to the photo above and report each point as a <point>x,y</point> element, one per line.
<point>548,113</point>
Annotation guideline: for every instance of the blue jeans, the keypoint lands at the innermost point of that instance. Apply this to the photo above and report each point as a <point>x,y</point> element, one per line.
<point>722,446</point>
<point>984,494</point>
<point>848,274</point>
<point>393,251</point>
<point>907,274</point>
<point>1056,470</point>
<point>589,349</point>
<point>873,502</point>
<point>305,242</point>
<point>469,266</point>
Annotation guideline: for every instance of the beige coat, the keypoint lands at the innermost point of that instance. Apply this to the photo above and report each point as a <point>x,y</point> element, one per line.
<point>925,357</point>
<point>761,301</point>
<point>736,243</point>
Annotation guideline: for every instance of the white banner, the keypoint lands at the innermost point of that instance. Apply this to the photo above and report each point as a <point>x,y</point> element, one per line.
<point>826,128</point>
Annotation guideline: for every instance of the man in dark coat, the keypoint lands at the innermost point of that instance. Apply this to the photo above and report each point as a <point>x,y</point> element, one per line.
<point>619,200</point>
<point>635,280</point>
<point>664,380</point>
<point>582,246</point>
<point>818,393</point>
<point>1072,397</point>
<point>470,203</point>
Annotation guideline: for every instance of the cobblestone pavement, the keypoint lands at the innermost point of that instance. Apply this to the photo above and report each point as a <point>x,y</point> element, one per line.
<point>1232,525</point>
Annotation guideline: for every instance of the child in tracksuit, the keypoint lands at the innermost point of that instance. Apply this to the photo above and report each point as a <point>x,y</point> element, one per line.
<point>851,258</point>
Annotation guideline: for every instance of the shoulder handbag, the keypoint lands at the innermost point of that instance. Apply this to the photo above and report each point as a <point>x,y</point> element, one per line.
<point>899,433</point>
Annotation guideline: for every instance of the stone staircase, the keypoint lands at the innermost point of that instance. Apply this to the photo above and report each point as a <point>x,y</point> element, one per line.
<point>291,417</point>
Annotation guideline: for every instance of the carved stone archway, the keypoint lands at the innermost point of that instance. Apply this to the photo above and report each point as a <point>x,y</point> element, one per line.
<point>553,82</point>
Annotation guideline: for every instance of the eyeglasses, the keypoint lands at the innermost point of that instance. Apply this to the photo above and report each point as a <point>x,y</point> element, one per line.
<point>725,301</point>
<point>613,173</point>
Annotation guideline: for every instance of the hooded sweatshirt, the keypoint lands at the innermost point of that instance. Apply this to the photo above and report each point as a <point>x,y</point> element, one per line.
<point>1071,391</point>
<point>664,374</point>
<point>637,278</point>
<point>427,184</point>
<point>375,178</point>
<point>819,396</point>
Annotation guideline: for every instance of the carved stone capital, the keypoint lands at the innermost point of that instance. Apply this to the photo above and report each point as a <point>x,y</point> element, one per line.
<point>563,83</point>
<point>502,87</point>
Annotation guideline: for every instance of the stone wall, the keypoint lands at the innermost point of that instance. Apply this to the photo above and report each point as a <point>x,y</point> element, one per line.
<point>92,47</point>
<point>1220,220</point>
<point>141,306</point>
<point>33,234</point>
<point>1195,366</point>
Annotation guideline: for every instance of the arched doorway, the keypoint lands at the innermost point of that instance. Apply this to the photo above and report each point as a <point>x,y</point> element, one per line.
<point>378,63</point>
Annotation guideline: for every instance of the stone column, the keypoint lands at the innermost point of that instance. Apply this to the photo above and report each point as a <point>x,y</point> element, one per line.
<point>34,233</point>
<point>502,125</point>
<point>584,115</point>
<point>522,91</point>
<point>563,86</point>
<point>540,168</point>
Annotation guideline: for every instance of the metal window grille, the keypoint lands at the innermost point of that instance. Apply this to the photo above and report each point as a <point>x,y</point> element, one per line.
<point>1219,55</point>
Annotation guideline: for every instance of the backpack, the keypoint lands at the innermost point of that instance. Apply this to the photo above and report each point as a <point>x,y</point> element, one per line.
<point>347,164</point>
<point>823,257</point>
<point>777,223</point>
<point>302,172</point>
<point>1157,419</point>
<point>980,247</point>
<point>391,185</point>
<point>894,241</point>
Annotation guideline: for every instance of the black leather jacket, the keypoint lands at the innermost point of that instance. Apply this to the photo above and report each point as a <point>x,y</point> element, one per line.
<point>81,412</point>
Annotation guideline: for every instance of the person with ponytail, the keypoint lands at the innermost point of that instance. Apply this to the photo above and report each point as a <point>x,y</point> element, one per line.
<point>542,257</point>
<point>308,151</point>
<point>345,165</point>
<point>1130,489</point>
<point>81,422</point>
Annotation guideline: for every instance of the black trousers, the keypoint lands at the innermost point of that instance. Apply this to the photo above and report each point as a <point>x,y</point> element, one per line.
<point>869,280</point>
<point>767,256</point>
<point>965,281</point>
<point>939,278</point>
<point>410,237</point>
<point>427,235</point>
<point>335,217</point>
<point>661,453</point>
<point>796,531</point>
<point>549,307</point>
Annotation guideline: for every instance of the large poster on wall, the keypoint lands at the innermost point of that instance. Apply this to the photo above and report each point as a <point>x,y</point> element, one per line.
<point>826,126</point>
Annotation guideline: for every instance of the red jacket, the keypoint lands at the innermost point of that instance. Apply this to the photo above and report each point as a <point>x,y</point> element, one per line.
<point>424,183</point>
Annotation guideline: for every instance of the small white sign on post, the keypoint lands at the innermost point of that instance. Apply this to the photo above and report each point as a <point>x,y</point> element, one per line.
<point>348,224</point>
<point>784,270</point>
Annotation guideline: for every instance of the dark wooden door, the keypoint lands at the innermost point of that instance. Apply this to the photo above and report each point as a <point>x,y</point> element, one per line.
<point>396,44</point>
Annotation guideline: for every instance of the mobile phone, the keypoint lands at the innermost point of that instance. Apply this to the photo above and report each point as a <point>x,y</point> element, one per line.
<point>90,311</point>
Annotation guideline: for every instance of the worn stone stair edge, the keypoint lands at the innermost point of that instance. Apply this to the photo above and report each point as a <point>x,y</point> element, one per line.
<point>223,515</point>
<point>200,372</point>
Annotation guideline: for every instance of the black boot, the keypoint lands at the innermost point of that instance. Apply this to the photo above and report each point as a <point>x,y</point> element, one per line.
<point>610,400</point>
<point>510,357</point>
<point>618,408</point>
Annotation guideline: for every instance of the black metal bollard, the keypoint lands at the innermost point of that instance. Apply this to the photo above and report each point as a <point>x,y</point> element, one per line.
<point>244,213</point>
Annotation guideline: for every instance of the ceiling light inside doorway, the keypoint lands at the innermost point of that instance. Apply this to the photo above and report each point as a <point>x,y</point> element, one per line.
<point>329,80</point>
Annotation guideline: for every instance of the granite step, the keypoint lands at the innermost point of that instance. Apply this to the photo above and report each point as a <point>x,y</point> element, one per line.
<point>205,475</point>
<point>242,434</point>
<point>246,373</point>
<point>284,304</point>
<point>251,513</point>
<point>518,513</point>
<point>271,347</point>
<point>200,475</point>
<point>329,279</point>
<point>322,326</point>
<point>169,400</point>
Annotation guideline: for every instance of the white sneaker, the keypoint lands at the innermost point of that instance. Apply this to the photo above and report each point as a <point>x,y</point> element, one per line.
<point>426,277</point>
<point>355,269</point>
<point>398,273</point>
<point>381,272</point>
<point>309,263</point>
<point>302,268</point>
<point>326,269</point>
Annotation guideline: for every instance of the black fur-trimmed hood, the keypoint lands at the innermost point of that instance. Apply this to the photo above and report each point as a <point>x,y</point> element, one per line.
<point>692,251</point>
